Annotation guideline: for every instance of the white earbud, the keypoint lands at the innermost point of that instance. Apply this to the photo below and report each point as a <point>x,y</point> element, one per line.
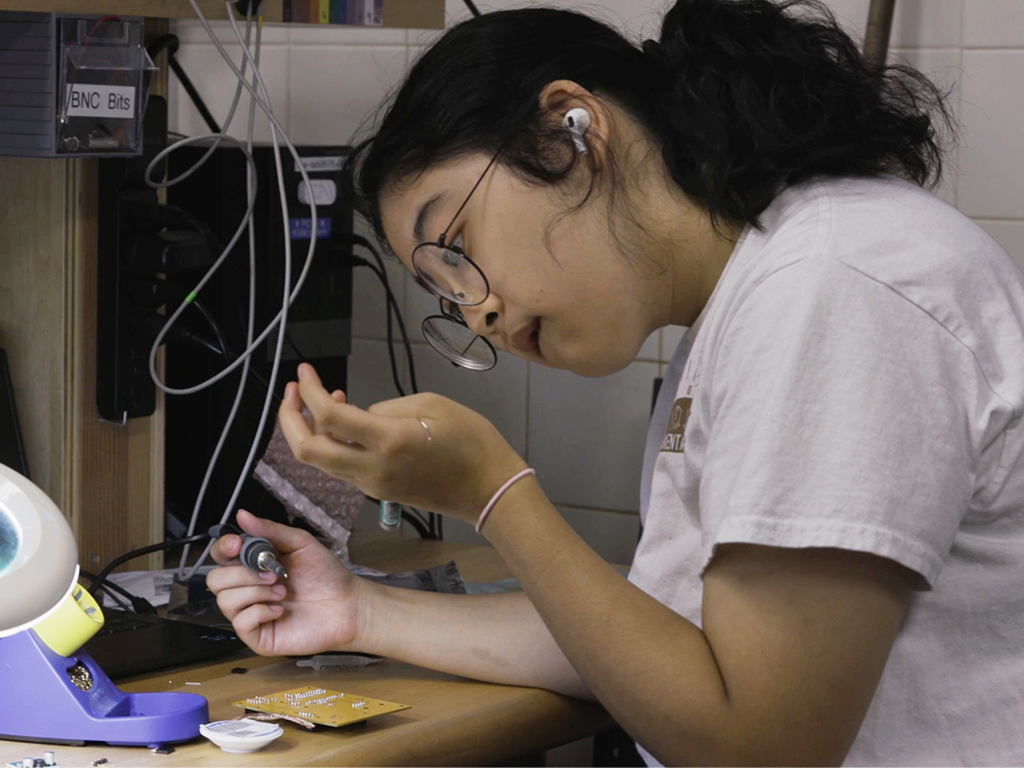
<point>576,122</point>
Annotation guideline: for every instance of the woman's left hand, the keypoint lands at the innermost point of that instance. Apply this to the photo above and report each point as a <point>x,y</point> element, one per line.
<point>452,466</point>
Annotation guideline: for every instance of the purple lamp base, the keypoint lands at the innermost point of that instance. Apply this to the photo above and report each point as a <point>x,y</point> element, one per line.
<point>40,701</point>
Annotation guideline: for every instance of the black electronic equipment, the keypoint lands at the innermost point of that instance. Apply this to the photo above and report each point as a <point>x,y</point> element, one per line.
<point>319,320</point>
<point>12,449</point>
<point>126,319</point>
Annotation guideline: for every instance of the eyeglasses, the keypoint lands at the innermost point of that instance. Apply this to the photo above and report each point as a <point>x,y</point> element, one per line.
<point>449,335</point>
<point>446,271</point>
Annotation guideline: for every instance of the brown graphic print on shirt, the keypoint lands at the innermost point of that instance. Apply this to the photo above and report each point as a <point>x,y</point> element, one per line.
<point>675,440</point>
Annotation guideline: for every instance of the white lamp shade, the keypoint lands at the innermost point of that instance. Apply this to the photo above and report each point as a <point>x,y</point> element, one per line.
<point>38,556</point>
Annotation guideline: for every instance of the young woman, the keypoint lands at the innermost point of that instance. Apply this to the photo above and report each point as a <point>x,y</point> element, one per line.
<point>833,501</point>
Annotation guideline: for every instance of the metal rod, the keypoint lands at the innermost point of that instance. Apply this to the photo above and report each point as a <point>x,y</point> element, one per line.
<point>876,37</point>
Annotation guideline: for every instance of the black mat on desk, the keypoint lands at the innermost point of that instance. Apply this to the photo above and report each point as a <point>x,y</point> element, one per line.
<point>132,643</point>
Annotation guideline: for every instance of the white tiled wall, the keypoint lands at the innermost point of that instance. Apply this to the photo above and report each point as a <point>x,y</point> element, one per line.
<point>585,437</point>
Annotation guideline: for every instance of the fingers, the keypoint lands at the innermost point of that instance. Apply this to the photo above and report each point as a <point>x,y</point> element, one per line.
<point>238,588</point>
<point>247,599</point>
<point>284,538</point>
<point>247,623</point>
<point>342,421</point>
<point>234,601</point>
<point>324,450</point>
<point>342,460</point>
<point>226,549</point>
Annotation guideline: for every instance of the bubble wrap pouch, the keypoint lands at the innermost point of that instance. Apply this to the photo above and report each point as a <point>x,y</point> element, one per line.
<point>329,505</point>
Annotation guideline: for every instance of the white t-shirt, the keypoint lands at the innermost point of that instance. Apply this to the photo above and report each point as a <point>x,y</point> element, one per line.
<point>857,381</point>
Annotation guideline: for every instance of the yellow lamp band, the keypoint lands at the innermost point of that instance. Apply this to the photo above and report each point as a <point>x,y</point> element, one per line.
<point>76,619</point>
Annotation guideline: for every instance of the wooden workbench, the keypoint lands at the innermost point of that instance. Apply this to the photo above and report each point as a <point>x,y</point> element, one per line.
<point>453,721</point>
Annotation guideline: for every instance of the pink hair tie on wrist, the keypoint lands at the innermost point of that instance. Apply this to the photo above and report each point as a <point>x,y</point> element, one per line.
<point>498,493</point>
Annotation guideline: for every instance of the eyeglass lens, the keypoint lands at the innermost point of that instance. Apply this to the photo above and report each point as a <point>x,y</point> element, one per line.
<point>458,343</point>
<point>450,274</point>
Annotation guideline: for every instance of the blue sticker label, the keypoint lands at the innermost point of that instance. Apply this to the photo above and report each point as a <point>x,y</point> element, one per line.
<point>302,229</point>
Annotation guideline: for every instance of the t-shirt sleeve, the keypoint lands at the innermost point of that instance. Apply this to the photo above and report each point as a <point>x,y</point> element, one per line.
<point>840,415</point>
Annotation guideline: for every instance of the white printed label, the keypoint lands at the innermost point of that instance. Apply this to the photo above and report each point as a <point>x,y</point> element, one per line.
<point>100,100</point>
<point>320,164</point>
<point>325,192</point>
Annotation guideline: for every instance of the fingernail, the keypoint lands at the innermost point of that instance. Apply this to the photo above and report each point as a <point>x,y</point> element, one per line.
<point>302,370</point>
<point>266,576</point>
<point>279,589</point>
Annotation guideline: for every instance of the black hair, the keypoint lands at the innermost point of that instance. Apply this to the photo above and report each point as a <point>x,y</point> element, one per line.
<point>743,97</point>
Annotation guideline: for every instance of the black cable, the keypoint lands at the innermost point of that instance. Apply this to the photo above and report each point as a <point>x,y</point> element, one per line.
<point>225,350</point>
<point>392,302</point>
<point>472,7</point>
<point>392,306</point>
<point>121,559</point>
<point>432,527</point>
<point>434,521</point>
<point>193,94</point>
<point>420,527</point>
<point>171,43</point>
<point>364,243</point>
<point>106,589</point>
<point>175,216</point>
<point>425,528</point>
<point>139,604</point>
<point>172,215</point>
<point>248,7</point>
<point>113,585</point>
<point>195,338</point>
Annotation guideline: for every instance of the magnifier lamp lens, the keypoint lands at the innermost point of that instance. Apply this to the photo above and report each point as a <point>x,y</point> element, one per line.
<point>459,344</point>
<point>9,540</point>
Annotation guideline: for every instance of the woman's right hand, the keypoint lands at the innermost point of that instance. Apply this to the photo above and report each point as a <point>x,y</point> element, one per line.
<point>315,609</point>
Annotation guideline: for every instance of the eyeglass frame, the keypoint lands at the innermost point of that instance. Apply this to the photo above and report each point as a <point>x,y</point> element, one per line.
<point>456,315</point>
<point>441,243</point>
<point>452,314</point>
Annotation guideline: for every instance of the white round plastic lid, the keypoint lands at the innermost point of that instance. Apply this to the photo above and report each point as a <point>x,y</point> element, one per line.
<point>241,736</point>
<point>39,560</point>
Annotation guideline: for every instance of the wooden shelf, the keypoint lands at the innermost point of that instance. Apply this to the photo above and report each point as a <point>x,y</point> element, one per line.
<point>157,9</point>
<point>412,14</point>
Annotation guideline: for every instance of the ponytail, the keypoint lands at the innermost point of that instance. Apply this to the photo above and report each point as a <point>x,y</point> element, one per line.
<point>761,96</point>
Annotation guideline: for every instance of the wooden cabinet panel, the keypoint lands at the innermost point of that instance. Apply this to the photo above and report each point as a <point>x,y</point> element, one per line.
<point>106,478</point>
